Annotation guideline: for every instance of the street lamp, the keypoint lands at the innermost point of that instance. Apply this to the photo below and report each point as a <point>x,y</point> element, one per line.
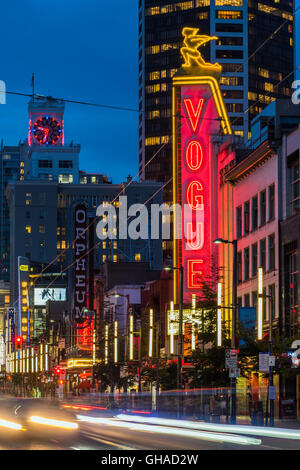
<point>261,297</point>
<point>180,355</point>
<point>219,241</point>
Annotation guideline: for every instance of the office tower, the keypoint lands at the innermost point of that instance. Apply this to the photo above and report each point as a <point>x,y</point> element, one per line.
<point>10,170</point>
<point>241,26</point>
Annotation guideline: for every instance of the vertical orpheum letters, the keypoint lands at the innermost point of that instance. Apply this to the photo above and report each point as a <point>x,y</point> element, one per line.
<point>80,264</point>
<point>84,335</point>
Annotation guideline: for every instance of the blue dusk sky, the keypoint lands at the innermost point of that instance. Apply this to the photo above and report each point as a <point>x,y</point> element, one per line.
<point>85,50</point>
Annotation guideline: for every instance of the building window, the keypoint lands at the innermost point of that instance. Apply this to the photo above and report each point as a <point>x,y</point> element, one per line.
<point>292,293</point>
<point>115,258</point>
<point>264,302</point>
<point>247,217</point>
<point>263,212</point>
<point>254,259</point>
<point>294,185</point>
<point>28,199</point>
<point>28,228</point>
<point>42,199</point>
<point>240,265</point>
<point>247,300</point>
<point>246,264</point>
<point>65,163</point>
<point>239,222</point>
<point>271,242</point>
<point>254,299</point>
<point>27,215</point>
<point>262,253</point>
<point>254,213</point>
<point>137,257</point>
<point>272,300</point>
<point>65,178</point>
<point>42,228</point>
<point>271,201</point>
<point>45,163</point>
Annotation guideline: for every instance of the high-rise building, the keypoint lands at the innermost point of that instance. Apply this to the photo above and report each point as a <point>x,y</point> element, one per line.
<point>10,169</point>
<point>242,26</point>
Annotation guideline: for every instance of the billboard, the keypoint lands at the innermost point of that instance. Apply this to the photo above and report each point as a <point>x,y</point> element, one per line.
<point>41,295</point>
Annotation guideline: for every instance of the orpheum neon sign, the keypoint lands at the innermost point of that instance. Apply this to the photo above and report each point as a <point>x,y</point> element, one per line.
<point>198,114</point>
<point>85,324</point>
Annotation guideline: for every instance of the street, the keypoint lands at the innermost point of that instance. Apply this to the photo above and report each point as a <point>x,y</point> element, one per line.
<point>101,431</point>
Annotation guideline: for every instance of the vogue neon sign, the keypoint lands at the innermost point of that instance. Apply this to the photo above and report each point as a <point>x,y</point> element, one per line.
<point>199,113</point>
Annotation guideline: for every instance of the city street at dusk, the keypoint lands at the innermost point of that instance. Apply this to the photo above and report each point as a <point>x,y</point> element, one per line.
<point>149,229</point>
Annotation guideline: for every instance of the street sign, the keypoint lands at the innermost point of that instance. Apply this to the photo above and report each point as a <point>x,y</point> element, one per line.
<point>263,362</point>
<point>271,361</point>
<point>234,372</point>
<point>231,358</point>
<point>272,392</point>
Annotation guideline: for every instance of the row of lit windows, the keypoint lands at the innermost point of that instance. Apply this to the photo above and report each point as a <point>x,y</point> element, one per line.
<point>231,81</point>
<point>156,49</point>
<point>274,11</point>
<point>164,139</point>
<point>158,87</point>
<point>231,3</point>
<point>137,257</point>
<point>177,7</point>
<point>229,15</point>
<point>158,74</point>
<point>156,113</point>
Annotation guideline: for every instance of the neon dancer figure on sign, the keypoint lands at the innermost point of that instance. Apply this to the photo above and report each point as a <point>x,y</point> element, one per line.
<point>192,41</point>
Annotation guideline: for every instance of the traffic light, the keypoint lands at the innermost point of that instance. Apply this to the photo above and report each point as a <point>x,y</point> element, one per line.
<point>19,342</point>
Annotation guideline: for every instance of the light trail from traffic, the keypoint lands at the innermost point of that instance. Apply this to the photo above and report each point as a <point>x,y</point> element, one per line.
<point>252,430</point>
<point>157,429</point>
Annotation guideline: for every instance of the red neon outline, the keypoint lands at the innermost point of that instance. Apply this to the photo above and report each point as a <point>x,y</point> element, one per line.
<point>199,235</point>
<point>193,117</point>
<point>189,155</point>
<point>191,273</point>
<point>194,198</point>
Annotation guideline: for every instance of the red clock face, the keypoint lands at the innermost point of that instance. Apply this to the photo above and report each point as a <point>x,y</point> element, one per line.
<point>47,130</point>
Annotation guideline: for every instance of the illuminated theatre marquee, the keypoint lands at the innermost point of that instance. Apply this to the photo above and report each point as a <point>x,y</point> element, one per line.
<point>198,114</point>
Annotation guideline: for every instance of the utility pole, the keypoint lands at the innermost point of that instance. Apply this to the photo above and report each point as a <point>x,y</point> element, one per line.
<point>180,355</point>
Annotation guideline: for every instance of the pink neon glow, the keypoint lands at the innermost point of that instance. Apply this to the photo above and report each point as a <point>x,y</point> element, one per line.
<point>199,120</point>
<point>194,155</point>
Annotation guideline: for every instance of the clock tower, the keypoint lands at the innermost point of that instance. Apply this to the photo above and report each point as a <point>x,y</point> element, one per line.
<point>47,157</point>
<point>46,122</point>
